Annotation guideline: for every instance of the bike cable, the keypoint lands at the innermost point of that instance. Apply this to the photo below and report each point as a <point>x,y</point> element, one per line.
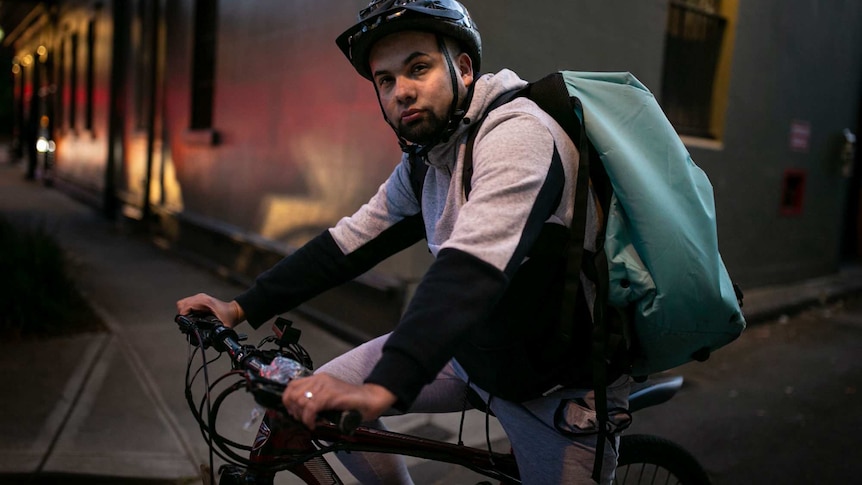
<point>207,387</point>
<point>488,430</point>
<point>464,405</point>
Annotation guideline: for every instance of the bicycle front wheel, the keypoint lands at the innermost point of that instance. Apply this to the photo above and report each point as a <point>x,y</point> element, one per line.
<point>655,460</point>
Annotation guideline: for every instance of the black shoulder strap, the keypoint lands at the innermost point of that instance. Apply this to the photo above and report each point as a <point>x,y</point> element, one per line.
<point>418,169</point>
<point>547,93</point>
<point>550,94</point>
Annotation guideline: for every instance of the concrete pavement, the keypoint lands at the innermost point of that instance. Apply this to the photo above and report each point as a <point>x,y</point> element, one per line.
<point>111,404</point>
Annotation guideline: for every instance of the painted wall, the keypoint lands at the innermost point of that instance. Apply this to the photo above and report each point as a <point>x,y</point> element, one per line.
<point>82,151</point>
<point>794,61</point>
<point>538,37</point>
<point>301,141</point>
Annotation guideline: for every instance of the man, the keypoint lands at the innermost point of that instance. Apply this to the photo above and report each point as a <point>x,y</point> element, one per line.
<point>486,309</point>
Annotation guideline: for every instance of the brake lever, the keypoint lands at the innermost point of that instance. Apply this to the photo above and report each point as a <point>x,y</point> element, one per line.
<point>198,327</point>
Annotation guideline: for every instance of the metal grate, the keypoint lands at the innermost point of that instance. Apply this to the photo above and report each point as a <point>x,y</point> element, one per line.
<point>692,48</point>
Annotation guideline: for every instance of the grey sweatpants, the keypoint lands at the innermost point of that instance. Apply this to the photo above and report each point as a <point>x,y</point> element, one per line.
<point>544,454</point>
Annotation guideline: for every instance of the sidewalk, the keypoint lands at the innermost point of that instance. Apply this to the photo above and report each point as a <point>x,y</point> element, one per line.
<point>112,405</point>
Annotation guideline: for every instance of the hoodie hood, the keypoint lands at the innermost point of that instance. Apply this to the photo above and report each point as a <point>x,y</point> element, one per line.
<point>488,88</point>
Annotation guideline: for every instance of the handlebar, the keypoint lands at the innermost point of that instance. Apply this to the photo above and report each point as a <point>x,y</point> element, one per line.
<point>268,372</point>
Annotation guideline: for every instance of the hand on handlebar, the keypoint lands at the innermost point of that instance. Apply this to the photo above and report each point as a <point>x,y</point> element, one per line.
<point>229,313</point>
<point>307,397</point>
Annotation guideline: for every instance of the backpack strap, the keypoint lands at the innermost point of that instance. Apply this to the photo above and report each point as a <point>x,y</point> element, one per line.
<point>548,93</point>
<point>418,169</point>
<point>610,339</point>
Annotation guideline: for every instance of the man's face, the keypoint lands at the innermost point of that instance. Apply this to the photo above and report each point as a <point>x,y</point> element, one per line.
<point>414,85</point>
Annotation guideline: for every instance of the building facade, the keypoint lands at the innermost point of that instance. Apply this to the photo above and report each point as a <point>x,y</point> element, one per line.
<point>235,130</point>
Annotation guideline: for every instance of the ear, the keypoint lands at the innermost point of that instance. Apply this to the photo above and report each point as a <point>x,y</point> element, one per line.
<point>465,67</point>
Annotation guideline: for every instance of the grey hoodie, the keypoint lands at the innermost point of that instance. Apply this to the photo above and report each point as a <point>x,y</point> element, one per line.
<point>490,299</point>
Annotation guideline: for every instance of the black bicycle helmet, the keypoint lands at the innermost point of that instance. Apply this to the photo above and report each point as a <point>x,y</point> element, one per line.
<point>383,17</point>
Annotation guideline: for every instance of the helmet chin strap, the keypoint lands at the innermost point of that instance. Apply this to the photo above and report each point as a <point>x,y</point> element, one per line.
<point>402,142</point>
<point>454,117</point>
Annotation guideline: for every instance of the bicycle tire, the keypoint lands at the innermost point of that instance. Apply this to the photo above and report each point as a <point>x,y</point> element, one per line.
<point>656,460</point>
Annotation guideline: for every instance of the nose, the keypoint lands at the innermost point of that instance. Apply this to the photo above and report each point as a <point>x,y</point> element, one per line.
<point>405,90</point>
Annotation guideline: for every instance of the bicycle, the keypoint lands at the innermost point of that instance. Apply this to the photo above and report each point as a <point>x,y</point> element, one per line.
<point>284,444</point>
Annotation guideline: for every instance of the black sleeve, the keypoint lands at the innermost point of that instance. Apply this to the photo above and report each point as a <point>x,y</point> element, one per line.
<point>318,266</point>
<point>441,312</point>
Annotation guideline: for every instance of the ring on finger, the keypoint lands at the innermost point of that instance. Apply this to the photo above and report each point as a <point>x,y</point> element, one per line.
<point>308,395</point>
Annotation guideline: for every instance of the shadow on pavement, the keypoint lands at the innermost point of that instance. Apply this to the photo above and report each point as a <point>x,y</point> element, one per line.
<point>65,479</point>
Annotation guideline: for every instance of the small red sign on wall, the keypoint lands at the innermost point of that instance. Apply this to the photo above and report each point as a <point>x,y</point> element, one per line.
<point>800,135</point>
<point>792,192</point>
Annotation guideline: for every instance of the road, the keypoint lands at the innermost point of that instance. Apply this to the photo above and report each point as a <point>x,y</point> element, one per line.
<point>781,405</point>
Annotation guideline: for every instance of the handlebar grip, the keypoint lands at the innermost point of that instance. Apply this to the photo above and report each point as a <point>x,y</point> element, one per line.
<point>345,421</point>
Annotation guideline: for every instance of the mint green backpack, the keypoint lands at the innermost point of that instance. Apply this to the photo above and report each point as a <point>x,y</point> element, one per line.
<point>663,295</point>
<point>661,244</point>
<point>669,299</point>
<point>661,240</point>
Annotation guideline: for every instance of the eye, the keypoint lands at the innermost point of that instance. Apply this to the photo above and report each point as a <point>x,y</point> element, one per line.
<point>384,81</point>
<point>419,68</point>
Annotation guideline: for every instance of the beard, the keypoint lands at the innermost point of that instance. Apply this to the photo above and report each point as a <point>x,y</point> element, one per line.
<point>423,131</point>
